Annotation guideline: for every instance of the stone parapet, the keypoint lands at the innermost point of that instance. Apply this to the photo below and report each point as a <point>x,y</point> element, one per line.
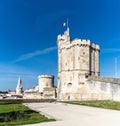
<point>105,79</point>
<point>80,42</point>
<point>45,76</point>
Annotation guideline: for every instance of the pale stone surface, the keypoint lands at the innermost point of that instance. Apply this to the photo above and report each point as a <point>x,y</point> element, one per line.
<point>19,89</point>
<point>79,71</point>
<point>44,90</point>
<point>76,59</point>
<point>49,93</point>
<point>34,89</point>
<point>45,81</point>
<point>74,115</point>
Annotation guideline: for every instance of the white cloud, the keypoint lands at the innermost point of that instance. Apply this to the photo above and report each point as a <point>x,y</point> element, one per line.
<point>7,70</point>
<point>9,76</point>
<point>36,53</point>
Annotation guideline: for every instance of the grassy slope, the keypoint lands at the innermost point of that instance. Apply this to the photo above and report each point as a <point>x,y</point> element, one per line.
<point>30,116</point>
<point>101,104</point>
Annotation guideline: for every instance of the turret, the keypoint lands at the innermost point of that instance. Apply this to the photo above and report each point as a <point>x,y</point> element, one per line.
<point>45,81</point>
<point>63,39</point>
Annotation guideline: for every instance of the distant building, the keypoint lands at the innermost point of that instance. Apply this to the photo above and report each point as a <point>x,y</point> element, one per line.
<point>11,92</point>
<point>44,90</point>
<point>19,89</point>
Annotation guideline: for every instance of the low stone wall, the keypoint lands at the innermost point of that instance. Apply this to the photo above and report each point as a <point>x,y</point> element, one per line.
<point>105,79</point>
<point>26,100</point>
<point>84,96</point>
<point>31,95</point>
<point>93,88</point>
<point>105,85</point>
<point>48,93</point>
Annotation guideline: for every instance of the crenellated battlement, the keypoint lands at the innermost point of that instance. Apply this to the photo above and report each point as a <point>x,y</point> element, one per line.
<point>80,43</point>
<point>45,76</point>
<point>64,41</point>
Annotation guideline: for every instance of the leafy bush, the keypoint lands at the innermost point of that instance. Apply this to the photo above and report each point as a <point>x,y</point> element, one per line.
<point>13,116</point>
<point>18,114</point>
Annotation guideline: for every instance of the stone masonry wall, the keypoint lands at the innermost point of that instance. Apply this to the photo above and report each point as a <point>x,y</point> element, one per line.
<point>76,58</point>
<point>106,85</point>
<point>79,71</point>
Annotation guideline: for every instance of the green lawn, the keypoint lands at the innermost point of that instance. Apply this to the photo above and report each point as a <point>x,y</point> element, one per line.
<point>18,114</point>
<point>101,104</point>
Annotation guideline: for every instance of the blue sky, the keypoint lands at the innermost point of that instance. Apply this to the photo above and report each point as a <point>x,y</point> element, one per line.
<point>29,28</point>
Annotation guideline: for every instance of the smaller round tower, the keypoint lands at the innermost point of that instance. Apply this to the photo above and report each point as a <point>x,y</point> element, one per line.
<point>45,81</point>
<point>19,88</point>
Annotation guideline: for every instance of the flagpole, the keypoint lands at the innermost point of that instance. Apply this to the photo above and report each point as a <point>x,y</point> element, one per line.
<point>67,28</point>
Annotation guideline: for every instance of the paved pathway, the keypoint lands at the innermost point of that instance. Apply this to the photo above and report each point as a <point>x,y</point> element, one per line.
<point>74,115</point>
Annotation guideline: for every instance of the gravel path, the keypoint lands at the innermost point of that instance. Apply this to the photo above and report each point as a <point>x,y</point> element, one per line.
<point>74,115</point>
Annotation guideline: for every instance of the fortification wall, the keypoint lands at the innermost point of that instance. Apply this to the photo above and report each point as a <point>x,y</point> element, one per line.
<point>32,95</point>
<point>76,59</point>
<point>105,79</point>
<point>79,71</point>
<point>93,88</point>
<point>105,85</point>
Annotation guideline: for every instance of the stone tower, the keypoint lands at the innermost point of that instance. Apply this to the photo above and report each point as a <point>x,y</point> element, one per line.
<point>77,60</point>
<point>19,88</point>
<point>45,81</point>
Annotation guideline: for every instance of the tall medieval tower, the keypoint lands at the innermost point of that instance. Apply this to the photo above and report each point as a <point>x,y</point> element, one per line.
<point>19,89</point>
<point>77,59</point>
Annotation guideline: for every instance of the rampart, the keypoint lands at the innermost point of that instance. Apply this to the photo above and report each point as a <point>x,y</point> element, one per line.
<point>105,79</point>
